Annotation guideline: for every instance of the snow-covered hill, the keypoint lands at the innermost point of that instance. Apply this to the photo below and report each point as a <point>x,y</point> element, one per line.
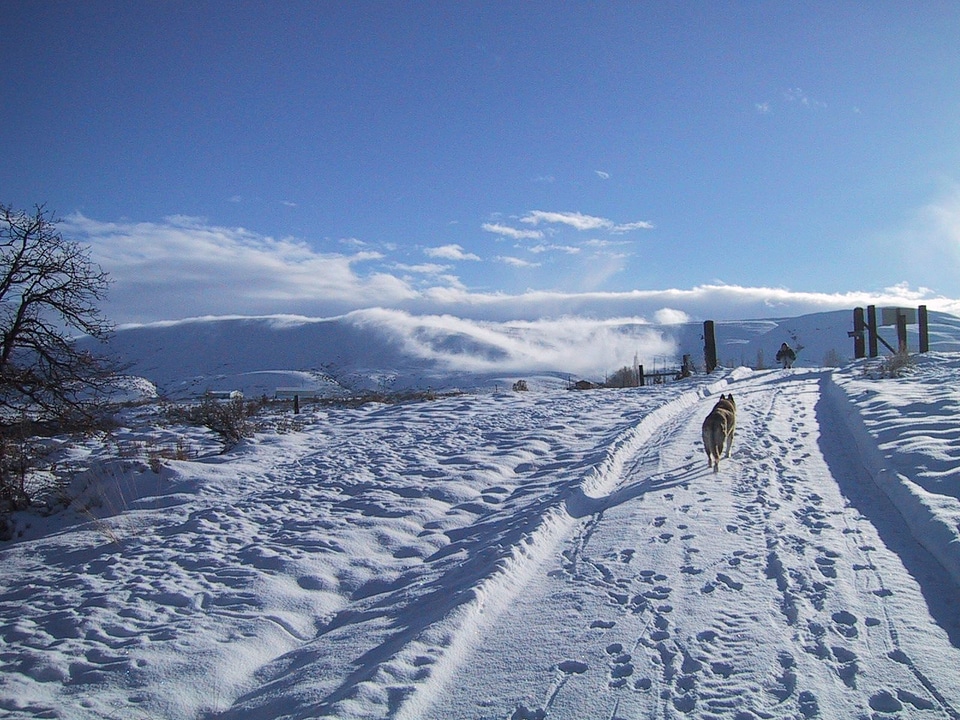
<point>390,350</point>
<point>521,555</point>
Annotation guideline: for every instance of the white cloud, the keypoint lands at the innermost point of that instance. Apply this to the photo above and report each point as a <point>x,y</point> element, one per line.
<point>577,344</point>
<point>516,262</point>
<point>423,268</point>
<point>703,302</point>
<point>514,233</point>
<point>763,108</point>
<point>184,267</point>
<point>602,175</point>
<point>927,246</point>
<point>569,249</point>
<point>450,252</point>
<point>573,219</point>
<point>629,227</point>
<point>669,316</point>
<point>582,222</point>
<point>600,243</point>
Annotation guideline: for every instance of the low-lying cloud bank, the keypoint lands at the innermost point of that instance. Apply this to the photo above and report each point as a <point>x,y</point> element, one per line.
<point>572,344</point>
<point>705,302</point>
<point>184,267</point>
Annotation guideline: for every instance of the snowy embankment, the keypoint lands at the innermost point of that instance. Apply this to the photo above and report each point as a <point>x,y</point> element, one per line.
<point>907,431</point>
<point>509,555</point>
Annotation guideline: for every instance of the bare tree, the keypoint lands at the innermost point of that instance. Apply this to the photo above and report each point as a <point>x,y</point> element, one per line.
<point>49,294</point>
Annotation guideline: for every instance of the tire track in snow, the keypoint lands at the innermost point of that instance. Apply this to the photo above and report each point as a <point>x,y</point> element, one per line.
<point>581,506</point>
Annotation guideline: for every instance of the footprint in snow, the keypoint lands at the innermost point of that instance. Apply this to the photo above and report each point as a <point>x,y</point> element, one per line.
<point>621,665</point>
<point>885,702</point>
<point>572,667</point>
<point>729,581</point>
<point>809,707</point>
<point>524,713</point>
<point>787,681</point>
<point>847,666</point>
<point>845,624</point>
<point>661,632</point>
<point>826,566</point>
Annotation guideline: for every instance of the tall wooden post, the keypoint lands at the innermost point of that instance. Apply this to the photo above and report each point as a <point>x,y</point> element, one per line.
<point>640,378</point>
<point>872,330</point>
<point>709,346</point>
<point>924,331</point>
<point>859,341</point>
<point>901,332</point>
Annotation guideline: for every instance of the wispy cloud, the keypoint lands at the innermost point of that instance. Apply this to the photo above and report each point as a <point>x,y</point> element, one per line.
<point>184,267</point>
<point>569,249</point>
<point>582,222</point>
<point>516,262</point>
<point>510,232</point>
<point>713,301</point>
<point>928,244</point>
<point>602,175</point>
<point>450,252</point>
<point>630,227</point>
<point>575,220</point>
<point>579,345</point>
<point>794,96</point>
<point>798,96</point>
<point>423,268</point>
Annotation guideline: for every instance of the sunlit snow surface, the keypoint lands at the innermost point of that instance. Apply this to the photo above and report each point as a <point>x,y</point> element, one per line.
<point>509,555</point>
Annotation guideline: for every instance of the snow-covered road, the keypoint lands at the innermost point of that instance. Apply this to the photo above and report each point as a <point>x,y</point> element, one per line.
<point>784,586</point>
<point>521,555</point>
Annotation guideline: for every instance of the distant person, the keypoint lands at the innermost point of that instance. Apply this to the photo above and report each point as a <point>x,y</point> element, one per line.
<point>786,356</point>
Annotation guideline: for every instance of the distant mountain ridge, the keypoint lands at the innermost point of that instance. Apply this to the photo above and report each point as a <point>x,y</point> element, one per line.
<point>393,350</point>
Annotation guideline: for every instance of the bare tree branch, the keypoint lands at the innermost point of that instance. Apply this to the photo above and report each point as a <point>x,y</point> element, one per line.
<point>50,290</point>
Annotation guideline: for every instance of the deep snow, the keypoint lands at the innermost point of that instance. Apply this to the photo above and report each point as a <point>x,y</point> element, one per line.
<point>510,555</point>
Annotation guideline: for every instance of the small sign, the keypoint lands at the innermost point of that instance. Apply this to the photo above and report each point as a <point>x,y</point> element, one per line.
<point>888,315</point>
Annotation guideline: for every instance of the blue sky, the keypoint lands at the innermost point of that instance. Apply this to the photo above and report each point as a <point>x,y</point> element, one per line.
<point>501,159</point>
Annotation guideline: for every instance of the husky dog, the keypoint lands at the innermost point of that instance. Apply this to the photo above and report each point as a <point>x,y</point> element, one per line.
<point>718,429</point>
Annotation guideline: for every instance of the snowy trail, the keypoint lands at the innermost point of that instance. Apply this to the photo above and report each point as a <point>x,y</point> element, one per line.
<point>797,608</point>
<point>522,556</point>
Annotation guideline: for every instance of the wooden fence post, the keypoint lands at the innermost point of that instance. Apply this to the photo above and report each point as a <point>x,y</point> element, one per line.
<point>924,329</point>
<point>859,342</point>
<point>640,379</point>
<point>901,332</point>
<point>872,330</point>
<point>709,346</point>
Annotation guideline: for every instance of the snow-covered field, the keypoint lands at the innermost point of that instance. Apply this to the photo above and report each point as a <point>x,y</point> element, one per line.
<point>510,555</point>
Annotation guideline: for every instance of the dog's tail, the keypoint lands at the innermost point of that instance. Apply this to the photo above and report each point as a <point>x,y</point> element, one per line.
<point>713,436</point>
